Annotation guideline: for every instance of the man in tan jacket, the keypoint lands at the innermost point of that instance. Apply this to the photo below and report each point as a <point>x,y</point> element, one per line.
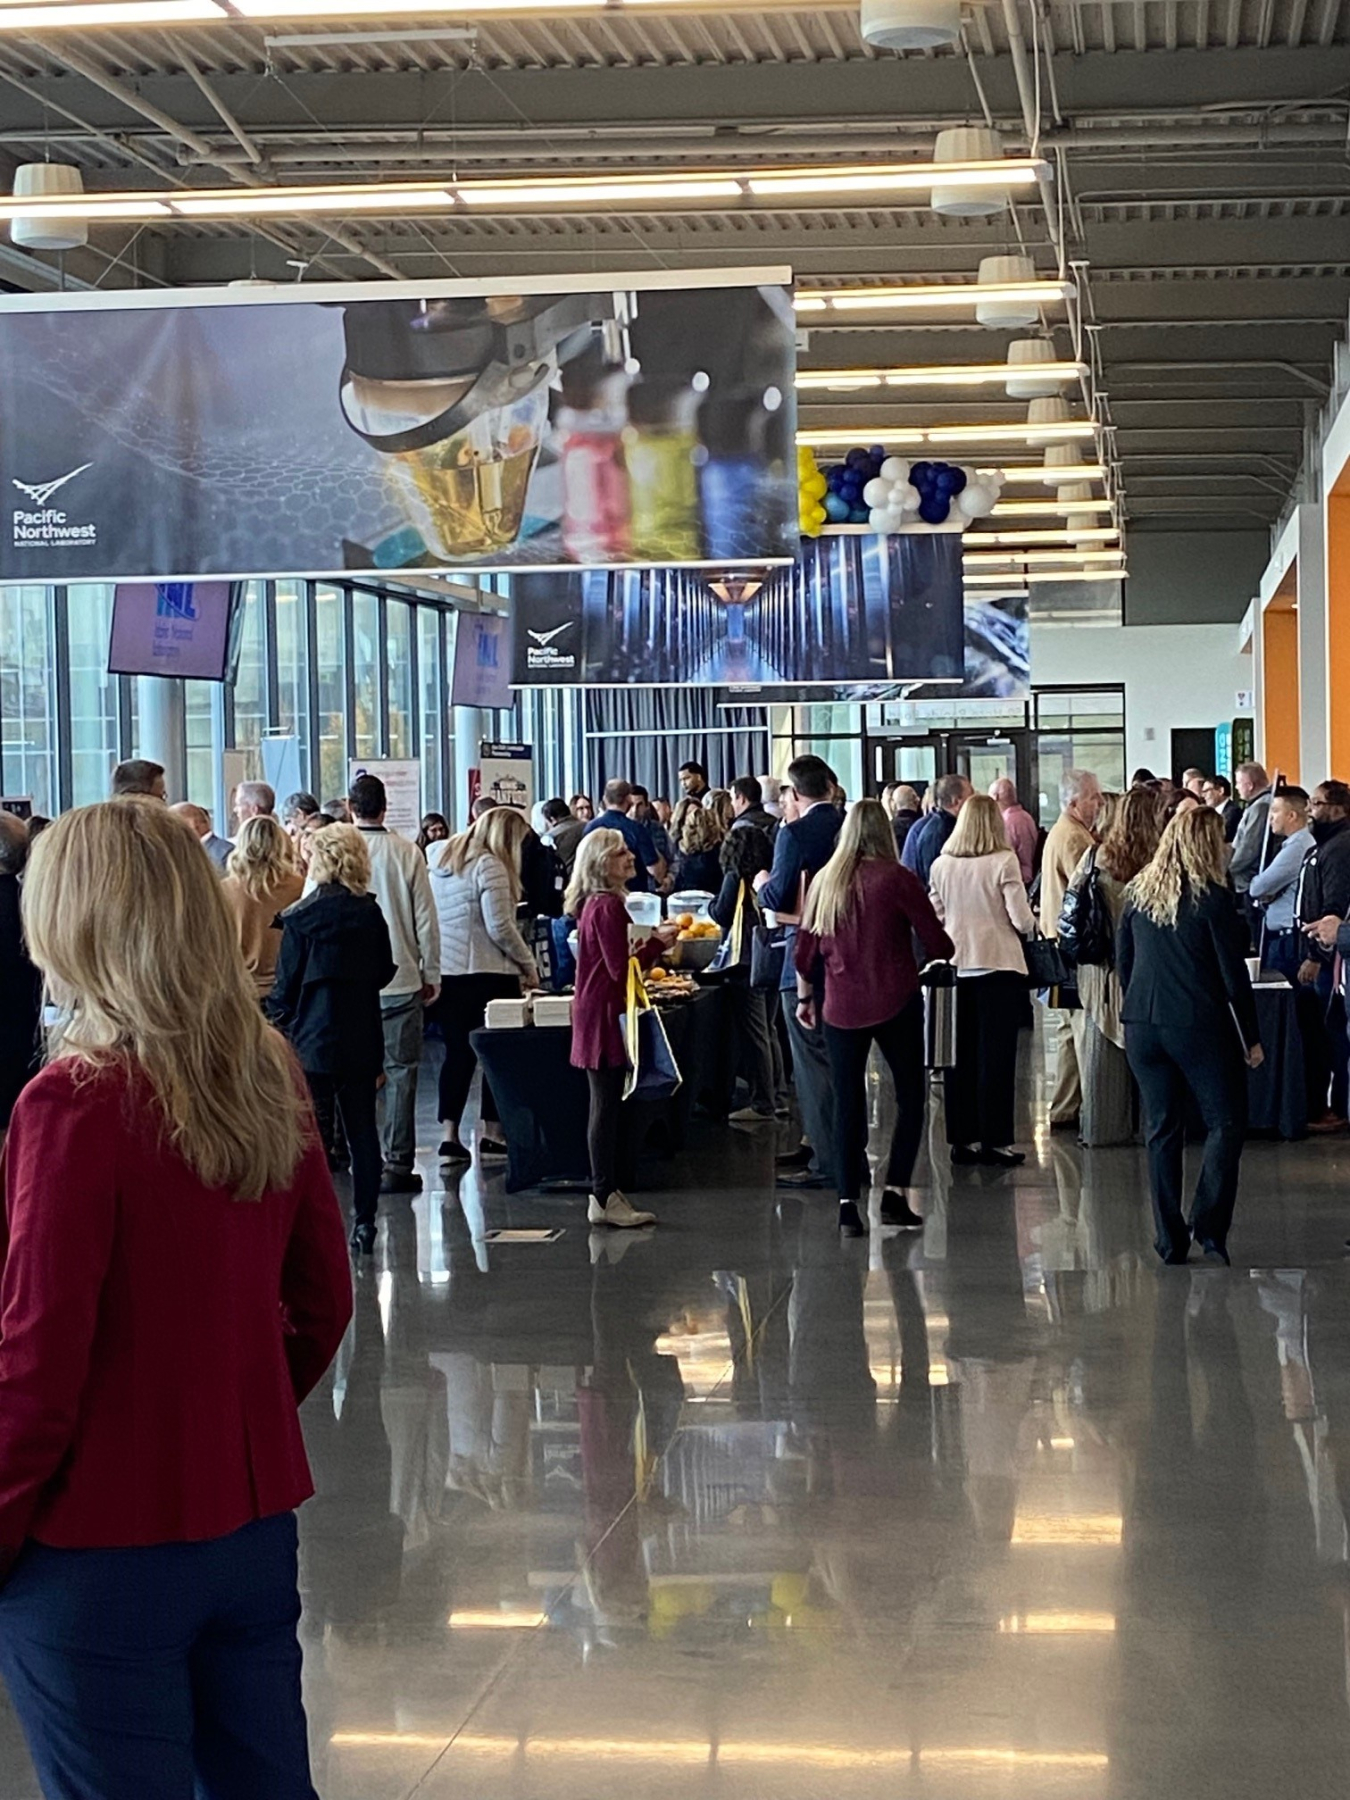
<point>1080,796</point>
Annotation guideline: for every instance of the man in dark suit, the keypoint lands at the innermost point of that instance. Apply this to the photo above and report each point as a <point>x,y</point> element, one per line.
<point>925,841</point>
<point>1324,893</point>
<point>801,849</point>
<point>1217,791</point>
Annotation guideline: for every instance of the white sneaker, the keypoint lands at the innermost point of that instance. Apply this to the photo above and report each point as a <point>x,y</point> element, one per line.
<point>618,1212</point>
<point>747,1115</point>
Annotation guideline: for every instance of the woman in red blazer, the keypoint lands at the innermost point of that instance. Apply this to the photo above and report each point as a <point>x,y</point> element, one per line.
<point>174,1283</point>
<point>595,898</point>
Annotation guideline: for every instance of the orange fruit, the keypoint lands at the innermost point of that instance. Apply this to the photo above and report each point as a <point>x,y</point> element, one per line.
<point>684,921</point>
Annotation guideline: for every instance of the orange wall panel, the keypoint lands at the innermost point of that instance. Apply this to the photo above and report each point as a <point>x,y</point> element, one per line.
<point>1279,646</point>
<point>1338,632</point>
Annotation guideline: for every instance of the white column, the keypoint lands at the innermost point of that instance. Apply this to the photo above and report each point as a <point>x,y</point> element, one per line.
<point>469,727</point>
<point>162,729</point>
<point>1313,661</point>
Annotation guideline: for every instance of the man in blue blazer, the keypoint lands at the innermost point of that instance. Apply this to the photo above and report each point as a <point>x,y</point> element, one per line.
<point>801,849</point>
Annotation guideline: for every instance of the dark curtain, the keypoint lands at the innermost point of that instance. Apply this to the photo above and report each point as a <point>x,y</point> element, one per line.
<point>728,741</point>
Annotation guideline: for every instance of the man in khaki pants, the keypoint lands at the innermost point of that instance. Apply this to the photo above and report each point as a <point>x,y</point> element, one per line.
<point>1080,796</point>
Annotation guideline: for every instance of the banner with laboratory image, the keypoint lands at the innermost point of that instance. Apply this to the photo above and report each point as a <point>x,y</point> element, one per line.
<point>588,420</point>
<point>857,607</point>
<point>997,666</point>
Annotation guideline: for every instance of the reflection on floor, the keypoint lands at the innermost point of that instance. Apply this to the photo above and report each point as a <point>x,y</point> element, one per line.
<point>737,1510</point>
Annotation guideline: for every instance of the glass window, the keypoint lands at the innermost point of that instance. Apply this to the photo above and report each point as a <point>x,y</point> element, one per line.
<point>400,700</point>
<point>1090,709</point>
<point>366,673</point>
<point>250,690</point>
<point>330,655</point>
<point>93,692</point>
<point>293,666</point>
<point>431,681</point>
<point>199,712</point>
<point>27,711</point>
<point>1102,752</point>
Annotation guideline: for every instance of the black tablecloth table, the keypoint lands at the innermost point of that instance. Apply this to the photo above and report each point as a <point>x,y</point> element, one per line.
<point>544,1102</point>
<point>1277,1097</point>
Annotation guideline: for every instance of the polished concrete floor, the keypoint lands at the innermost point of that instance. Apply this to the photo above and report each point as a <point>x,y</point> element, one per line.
<point>737,1510</point>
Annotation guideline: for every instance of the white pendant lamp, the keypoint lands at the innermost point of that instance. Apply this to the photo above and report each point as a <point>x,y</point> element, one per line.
<point>911,24</point>
<point>1045,415</point>
<point>1025,357</point>
<point>1075,522</point>
<point>998,310</point>
<point>965,144</point>
<point>50,182</point>
<point>1061,456</point>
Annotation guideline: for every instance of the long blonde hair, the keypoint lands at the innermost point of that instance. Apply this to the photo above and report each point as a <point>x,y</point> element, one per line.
<point>590,871</point>
<point>1191,856</point>
<point>125,917</point>
<point>262,858</point>
<point>500,832</point>
<point>979,829</point>
<point>339,855</point>
<point>867,836</point>
<point>700,829</point>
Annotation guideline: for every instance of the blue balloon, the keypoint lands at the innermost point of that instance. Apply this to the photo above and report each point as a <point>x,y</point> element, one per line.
<point>860,515</point>
<point>933,509</point>
<point>959,480</point>
<point>837,509</point>
<point>919,473</point>
<point>945,480</point>
<point>856,458</point>
<point>877,453</point>
<point>834,477</point>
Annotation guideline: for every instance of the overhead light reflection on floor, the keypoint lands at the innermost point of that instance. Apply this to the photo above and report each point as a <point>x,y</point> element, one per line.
<point>1068,1528</point>
<point>1057,1624</point>
<point>494,1619</point>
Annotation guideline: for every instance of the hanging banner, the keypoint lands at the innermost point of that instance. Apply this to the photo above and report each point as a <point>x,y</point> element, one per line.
<point>506,775</point>
<point>184,628</point>
<point>623,419</point>
<point>402,780</point>
<point>482,660</point>
<point>854,608</point>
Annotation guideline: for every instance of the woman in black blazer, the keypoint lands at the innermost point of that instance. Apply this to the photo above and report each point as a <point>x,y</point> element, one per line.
<point>1190,1026</point>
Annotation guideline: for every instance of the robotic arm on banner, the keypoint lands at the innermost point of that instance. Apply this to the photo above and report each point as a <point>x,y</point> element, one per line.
<point>889,494</point>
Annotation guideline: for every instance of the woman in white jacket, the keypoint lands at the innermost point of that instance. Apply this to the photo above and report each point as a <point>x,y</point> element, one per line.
<point>979,896</point>
<point>475,879</point>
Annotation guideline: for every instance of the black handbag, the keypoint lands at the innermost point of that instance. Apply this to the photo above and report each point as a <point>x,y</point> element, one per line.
<point>1086,935</point>
<point>1046,967</point>
<point>768,950</point>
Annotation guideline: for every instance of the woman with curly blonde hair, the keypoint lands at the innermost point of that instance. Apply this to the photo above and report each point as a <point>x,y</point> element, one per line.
<point>261,880</point>
<point>1190,1026</point>
<point>697,836</point>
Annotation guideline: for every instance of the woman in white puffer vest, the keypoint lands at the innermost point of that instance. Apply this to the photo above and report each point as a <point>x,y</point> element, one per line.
<point>475,879</point>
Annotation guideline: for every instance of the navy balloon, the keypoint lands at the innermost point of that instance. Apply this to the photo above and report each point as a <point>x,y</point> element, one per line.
<point>919,474</point>
<point>837,509</point>
<point>855,458</point>
<point>834,477</point>
<point>877,453</point>
<point>959,480</point>
<point>945,480</point>
<point>933,509</point>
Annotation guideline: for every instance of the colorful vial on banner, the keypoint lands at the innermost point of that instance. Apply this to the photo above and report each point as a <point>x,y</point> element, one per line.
<point>661,451</point>
<point>729,475</point>
<point>595,525</point>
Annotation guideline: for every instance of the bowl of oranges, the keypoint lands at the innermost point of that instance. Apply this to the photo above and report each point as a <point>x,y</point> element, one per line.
<point>696,946</point>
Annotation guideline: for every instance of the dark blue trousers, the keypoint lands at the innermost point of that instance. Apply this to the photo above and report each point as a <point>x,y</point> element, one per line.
<point>168,1673</point>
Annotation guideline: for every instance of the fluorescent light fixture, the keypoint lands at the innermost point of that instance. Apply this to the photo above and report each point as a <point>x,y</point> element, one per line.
<point>357,9</point>
<point>935,436</point>
<point>110,12</point>
<point>987,558</point>
<point>79,209</point>
<point>1067,1528</point>
<point>938,375</point>
<point>1057,1624</point>
<point>1098,534</point>
<point>259,201</point>
<point>914,177</point>
<point>509,1618</point>
<point>1035,474</point>
<point>921,299</point>
<point>1047,508</point>
<point>564,193</point>
<point>1041,575</point>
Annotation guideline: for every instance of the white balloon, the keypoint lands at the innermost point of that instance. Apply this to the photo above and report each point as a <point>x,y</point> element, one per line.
<point>974,501</point>
<point>881,519</point>
<point>896,469</point>
<point>874,494</point>
<point>910,498</point>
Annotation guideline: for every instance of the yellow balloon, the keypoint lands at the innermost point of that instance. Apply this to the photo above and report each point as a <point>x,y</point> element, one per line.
<point>816,487</point>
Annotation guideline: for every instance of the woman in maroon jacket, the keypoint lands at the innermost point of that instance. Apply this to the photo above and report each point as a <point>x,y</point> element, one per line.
<point>862,914</point>
<point>595,898</point>
<point>174,1283</point>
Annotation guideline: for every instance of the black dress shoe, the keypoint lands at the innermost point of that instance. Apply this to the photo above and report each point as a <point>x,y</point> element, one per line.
<point>800,1158</point>
<point>1001,1159</point>
<point>452,1151</point>
<point>896,1211</point>
<point>799,1178</point>
<point>850,1221</point>
<point>362,1239</point>
<point>400,1181</point>
<point>1214,1254</point>
<point>492,1147</point>
<point>1176,1257</point>
<point>963,1154</point>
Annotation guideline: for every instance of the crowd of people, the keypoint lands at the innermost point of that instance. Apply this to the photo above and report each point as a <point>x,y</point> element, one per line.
<point>230,1021</point>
